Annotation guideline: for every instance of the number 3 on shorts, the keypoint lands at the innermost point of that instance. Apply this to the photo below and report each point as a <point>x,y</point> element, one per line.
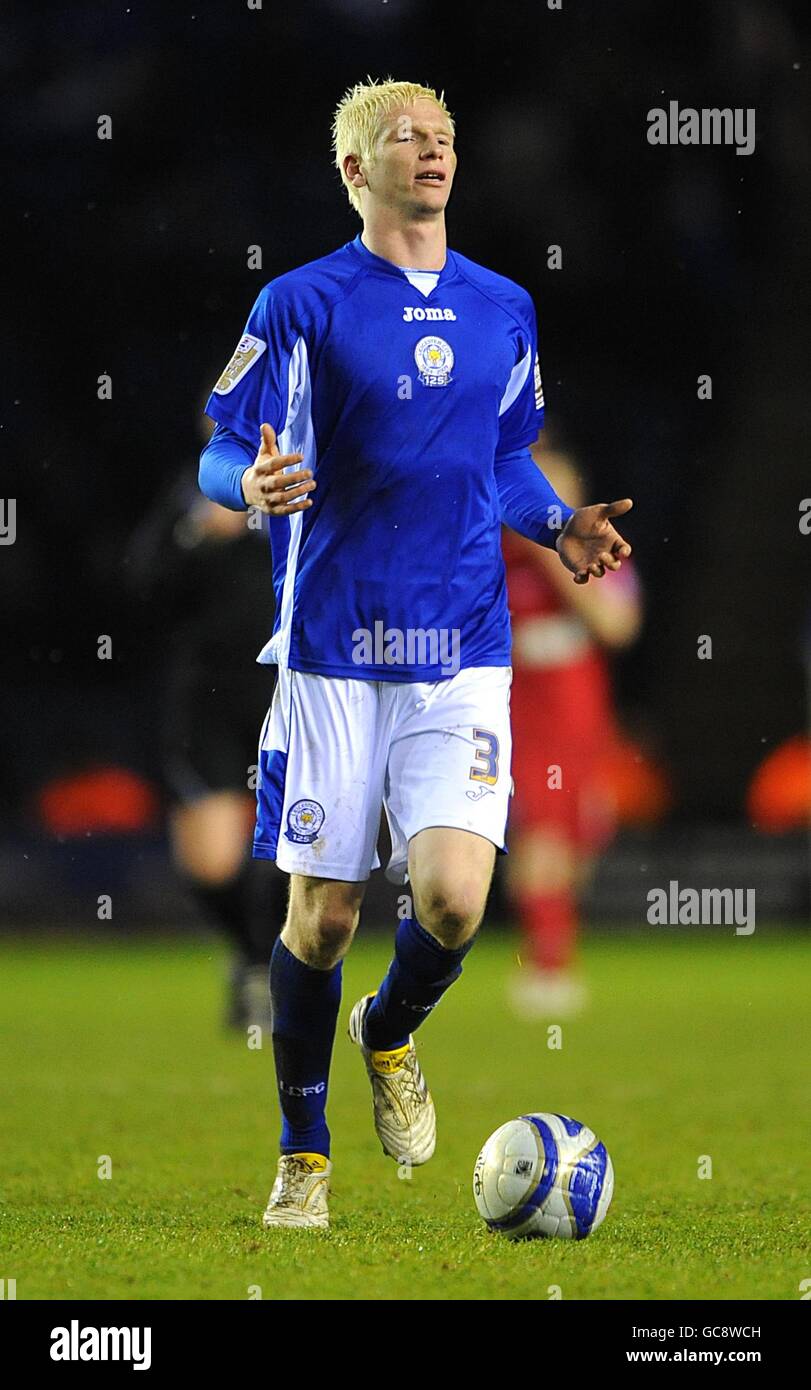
<point>488,755</point>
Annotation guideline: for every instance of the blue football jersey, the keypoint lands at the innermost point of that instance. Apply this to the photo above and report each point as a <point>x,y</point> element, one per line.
<point>401,403</point>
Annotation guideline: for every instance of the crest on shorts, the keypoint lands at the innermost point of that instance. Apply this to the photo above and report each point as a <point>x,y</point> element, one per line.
<point>304,820</point>
<point>248,351</point>
<point>434,357</point>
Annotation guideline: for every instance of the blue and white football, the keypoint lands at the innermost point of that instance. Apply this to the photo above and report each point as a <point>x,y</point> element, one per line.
<point>543,1175</point>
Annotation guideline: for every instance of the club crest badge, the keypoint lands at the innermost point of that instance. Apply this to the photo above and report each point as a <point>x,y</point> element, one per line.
<point>248,352</point>
<point>304,820</point>
<point>434,358</point>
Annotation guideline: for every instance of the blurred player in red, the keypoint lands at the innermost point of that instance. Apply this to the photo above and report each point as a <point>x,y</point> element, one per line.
<point>563,728</point>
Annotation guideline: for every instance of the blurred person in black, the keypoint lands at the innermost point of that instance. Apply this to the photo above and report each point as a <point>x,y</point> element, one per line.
<point>198,569</point>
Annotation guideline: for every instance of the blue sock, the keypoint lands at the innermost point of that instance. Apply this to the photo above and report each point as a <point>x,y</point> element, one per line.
<point>416,980</point>
<point>305,1004</point>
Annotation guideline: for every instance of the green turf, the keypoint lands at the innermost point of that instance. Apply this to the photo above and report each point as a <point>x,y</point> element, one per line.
<point>692,1047</point>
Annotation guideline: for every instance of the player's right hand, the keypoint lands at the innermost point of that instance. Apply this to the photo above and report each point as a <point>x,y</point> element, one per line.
<point>266,487</point>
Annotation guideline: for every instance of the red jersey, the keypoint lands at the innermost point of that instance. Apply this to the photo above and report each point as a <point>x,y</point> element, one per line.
<point>562,712</point>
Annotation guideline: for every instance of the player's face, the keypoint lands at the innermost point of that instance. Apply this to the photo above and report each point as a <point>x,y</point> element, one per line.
<point>414,161</point>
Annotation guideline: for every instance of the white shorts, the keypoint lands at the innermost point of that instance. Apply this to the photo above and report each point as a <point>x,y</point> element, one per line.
<point>333,751</point>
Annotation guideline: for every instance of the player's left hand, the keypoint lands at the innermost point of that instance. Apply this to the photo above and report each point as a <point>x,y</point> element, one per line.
<point>588,545</point>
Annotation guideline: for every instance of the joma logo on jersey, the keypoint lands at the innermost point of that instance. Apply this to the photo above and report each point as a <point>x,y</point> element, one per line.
<point>419,315</point>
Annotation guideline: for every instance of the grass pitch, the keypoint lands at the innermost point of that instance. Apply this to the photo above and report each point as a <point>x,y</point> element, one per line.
<point>693,1047</point>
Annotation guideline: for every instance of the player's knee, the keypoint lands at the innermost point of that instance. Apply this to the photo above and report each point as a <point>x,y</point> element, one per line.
<point>321,938</point>
<point>452,915</point>
<point>333,934</point>
<point>321,920</point>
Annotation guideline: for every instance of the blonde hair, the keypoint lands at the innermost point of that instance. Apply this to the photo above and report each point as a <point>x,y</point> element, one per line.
<point>359,113</point>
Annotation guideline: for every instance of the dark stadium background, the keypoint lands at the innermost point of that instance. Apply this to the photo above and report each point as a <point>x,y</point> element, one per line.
<point>128,257</point>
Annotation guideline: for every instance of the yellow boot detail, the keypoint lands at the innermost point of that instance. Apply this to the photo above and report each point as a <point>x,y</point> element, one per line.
<point>385,1063</point>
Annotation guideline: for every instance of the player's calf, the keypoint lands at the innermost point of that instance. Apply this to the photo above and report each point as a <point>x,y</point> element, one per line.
<point>450,872</point>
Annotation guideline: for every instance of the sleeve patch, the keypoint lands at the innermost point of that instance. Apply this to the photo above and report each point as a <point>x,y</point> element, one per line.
<point>538,385</point>
<point>248,352</point>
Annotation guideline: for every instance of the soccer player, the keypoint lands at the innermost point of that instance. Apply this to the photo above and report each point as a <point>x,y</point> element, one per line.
<point>379,409</point>
<point>194,568</point>
<point>563,727</point>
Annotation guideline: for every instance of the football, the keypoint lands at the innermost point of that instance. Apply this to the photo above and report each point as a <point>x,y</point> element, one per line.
<point>543,1175</point>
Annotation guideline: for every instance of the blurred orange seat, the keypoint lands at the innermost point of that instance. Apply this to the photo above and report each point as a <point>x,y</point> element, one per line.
<point>779,796</point>
<point>101,800</point>
<point>637,786</point>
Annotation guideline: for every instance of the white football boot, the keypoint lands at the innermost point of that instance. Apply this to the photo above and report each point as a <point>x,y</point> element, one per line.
<point>405,1119</point>
<point>299,1195</point>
